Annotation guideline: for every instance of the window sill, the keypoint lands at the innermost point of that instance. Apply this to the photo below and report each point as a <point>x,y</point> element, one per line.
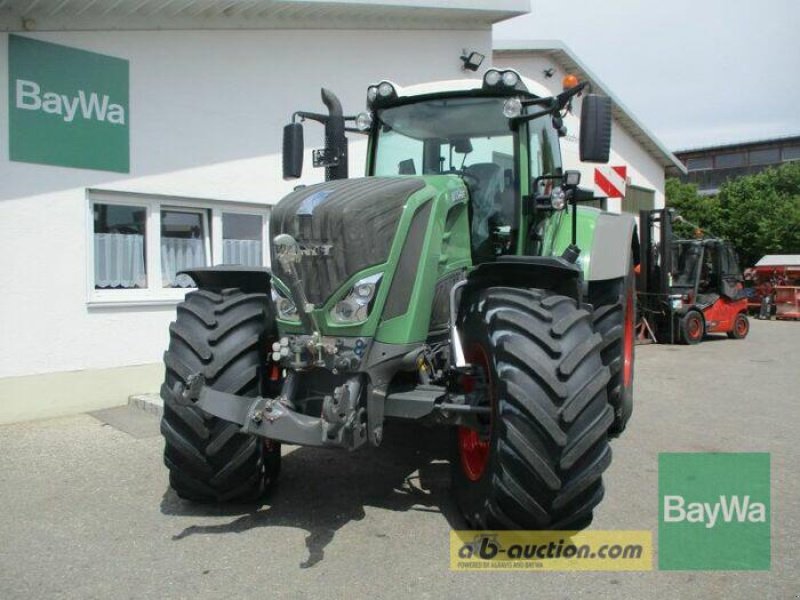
<point>136,298</point>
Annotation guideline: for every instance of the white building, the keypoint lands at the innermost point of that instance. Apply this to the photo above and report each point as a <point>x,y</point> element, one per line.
<point>154,129</point>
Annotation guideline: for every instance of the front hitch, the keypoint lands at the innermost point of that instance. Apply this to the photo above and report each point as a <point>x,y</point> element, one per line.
<point>342,423</point>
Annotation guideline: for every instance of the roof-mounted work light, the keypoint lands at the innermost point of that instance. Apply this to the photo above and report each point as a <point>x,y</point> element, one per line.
<point>472,60</point>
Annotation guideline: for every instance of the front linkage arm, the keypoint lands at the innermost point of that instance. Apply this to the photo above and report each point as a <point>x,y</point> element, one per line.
<point>342,423</point>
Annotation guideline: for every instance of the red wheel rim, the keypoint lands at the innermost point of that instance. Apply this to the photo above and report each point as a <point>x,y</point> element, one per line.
<point>694,327</point>
<point>472,450</point>
<point>741,326</point>
<point>627,343</point>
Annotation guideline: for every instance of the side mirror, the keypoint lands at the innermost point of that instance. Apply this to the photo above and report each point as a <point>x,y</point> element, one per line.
<point>292,151</point>
<point>595,142</point>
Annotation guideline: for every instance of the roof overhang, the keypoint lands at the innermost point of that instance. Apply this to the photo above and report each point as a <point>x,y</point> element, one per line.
<point>566,59</point>
<point>77,15</point>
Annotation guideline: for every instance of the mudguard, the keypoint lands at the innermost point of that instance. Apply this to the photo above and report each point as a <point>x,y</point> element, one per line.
<point>248,279</point>
<point>614,248</point>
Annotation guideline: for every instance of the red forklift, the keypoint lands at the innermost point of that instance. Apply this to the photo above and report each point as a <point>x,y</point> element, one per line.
<point>687,287</point>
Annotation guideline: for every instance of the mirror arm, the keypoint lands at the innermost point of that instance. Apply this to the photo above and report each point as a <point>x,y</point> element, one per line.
<point>564,97</point>
<point>526,118</point>
<point>302,115</point>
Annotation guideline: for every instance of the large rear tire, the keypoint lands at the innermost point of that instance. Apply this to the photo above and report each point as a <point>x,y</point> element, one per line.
<point>221,334</point>
<point>614,318</point>
<point>540,464</point>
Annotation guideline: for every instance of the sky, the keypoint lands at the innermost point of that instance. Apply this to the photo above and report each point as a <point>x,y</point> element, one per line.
<point>695,73</point>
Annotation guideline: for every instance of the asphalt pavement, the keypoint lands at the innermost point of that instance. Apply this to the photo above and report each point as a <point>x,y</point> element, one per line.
<point>87,512</point>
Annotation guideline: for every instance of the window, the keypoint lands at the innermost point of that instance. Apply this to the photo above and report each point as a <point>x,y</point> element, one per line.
<point>730,160</point>
<point>638,198</point>
<point>184,244</point>
<point>119,246</point>
<point>469,136</point>
<point>242,239</point>
<point>139,243</point>
<point>767,156</point>
<point>790,153</point>
<point>701,163</point>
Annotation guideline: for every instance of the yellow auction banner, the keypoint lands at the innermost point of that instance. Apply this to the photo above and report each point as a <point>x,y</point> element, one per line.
<point>551,550</point>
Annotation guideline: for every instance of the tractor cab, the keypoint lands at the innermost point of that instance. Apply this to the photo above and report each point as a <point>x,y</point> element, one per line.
<point>499,136</point>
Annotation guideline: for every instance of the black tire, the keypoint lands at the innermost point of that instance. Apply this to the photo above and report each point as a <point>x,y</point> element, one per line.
<point>548,443</point>
<point>741,327</point>
<point>221,334</point>
<point>614,301</point>
<point>692,328</point>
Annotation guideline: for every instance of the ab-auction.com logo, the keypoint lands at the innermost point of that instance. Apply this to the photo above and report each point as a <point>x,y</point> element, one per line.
<point>551,550</point>
<point>714,511</point>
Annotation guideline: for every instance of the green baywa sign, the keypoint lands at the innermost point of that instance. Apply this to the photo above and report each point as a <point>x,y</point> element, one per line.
<point>714,511</point>
<point>67,107</point>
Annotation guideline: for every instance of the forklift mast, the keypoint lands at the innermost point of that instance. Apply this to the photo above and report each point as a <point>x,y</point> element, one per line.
<point>656,255</point>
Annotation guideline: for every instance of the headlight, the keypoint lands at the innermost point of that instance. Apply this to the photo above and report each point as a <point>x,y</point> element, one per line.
<point>512,107</point>
<point>492,77</point>
<point>372,93</point>
<point>354,308</point>
<point>385,89</point>
<point>284,305</point>
<point>363,121</point>
<point>558,199</point>
<point>510,78</point>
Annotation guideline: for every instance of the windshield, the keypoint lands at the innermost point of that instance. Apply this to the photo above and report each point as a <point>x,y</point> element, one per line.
<point>469,137</point>
<point>686,257</point>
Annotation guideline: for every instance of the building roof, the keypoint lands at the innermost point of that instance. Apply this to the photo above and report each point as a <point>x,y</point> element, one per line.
<point>779,260</point>
<point>787,139</point>
<point>568,61</point>
<point>44,15</point>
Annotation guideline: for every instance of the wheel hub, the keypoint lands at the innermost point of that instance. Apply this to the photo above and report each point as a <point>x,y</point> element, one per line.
<point>474,450</point>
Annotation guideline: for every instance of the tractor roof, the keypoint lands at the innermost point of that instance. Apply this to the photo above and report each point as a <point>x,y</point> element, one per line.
<point>462,85</point>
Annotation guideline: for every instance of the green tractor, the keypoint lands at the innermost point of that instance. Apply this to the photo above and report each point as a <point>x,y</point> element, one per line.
<point>459,284</point>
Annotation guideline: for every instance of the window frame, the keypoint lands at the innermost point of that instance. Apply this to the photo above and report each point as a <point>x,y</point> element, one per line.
<point>154,293</point>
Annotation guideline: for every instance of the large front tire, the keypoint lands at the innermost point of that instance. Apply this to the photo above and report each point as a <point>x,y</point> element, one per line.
<point>547,443</point>
<point>220,334</point>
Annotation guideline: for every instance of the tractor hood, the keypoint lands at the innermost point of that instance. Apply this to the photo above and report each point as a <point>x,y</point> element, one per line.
<point>342,227</point>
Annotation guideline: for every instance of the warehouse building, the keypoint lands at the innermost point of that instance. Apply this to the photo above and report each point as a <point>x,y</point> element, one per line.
<point>711,166</point>
<point>143,137</point>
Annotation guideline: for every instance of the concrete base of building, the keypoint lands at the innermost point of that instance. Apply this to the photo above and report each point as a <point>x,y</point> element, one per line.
<point>150,403</point>
<point>72,392</point>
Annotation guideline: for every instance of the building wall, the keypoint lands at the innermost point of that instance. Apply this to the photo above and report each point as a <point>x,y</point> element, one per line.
<point>643,170</point>
<point>206,114</point>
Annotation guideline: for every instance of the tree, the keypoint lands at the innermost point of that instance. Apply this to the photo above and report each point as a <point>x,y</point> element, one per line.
<point>759,213</point>
<point>702,211</point>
